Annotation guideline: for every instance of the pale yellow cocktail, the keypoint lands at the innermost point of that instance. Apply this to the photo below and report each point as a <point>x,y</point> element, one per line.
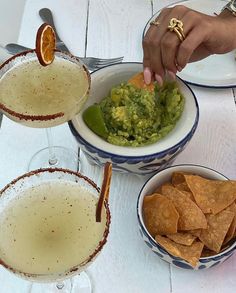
<point>43,96</point>
<point>48,228</point>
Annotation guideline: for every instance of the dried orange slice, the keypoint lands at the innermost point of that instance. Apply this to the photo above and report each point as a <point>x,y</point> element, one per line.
<point>104,194</point>
<point>138,81</point>
<point>45,44</point>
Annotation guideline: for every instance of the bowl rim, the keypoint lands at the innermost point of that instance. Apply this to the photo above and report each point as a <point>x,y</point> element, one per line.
<point>129,148</point>
<point>140,217</point>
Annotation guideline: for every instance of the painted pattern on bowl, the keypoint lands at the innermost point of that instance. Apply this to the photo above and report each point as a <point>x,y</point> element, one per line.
<point>137,160</point>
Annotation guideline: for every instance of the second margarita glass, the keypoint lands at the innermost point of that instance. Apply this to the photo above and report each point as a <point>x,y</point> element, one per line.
<point>44,96</point>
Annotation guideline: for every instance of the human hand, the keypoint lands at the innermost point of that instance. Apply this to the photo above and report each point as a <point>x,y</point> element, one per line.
<point>204,35</point>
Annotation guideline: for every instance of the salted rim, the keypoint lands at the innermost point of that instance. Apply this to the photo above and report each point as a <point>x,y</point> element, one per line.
<point>59,54</point>
<point>100,244</point>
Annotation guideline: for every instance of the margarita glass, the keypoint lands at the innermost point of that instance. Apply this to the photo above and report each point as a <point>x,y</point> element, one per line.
<point>44,96</point>
<point>48,227</point>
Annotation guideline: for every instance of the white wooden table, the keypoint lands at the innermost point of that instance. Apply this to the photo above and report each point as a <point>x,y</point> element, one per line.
<point>110,28</point>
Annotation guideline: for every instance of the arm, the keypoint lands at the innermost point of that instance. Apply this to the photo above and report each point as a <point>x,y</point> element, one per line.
<point>204,35</point>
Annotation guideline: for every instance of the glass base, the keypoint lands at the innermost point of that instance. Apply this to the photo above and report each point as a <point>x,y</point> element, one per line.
<point>62,158</point>
<point>78,284</point>
<point>81,284</point>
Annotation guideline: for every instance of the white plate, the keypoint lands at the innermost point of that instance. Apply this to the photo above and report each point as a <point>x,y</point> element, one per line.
<point>215,71</point>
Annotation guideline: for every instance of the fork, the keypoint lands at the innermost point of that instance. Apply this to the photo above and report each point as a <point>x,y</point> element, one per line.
<point>1,119</point>
<point>92,63</point>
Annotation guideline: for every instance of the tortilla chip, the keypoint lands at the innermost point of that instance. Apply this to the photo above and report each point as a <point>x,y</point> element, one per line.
<point>178,178</point>
<point>195,232</point>
<point>158,189</point>
<point>207,252</point>
<point>190,253</point>
<point>217,229</point>
<point>182,238</point>
<point>190,215</point>
<point>138,81</point>
<point>212,196</point>
<point>232,228</point>
<point>189,194</point>
<point>183,187</point>
<point>160,215</point>
<point>235,229</point>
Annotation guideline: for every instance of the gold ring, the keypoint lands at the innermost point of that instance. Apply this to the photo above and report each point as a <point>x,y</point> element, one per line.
<point>179,34</point>
<point>155,22</point>
<point>177,26</point>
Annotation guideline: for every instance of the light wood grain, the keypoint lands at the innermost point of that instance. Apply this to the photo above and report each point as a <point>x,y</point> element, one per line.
<point>126,256</point>
<point>220,279</point>
<point>214,142</point>
<point>159,4</point>
<point>126,265</point>
<point>70,20</point>
<point>117,26</point>
<point>10,20</point>
<point>13,284</point>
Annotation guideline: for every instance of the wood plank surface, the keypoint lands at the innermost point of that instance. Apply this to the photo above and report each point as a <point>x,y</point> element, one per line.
<point>115,28</point>
<point>70,20</point>
<point>10,20</point>
<point>110,28</point>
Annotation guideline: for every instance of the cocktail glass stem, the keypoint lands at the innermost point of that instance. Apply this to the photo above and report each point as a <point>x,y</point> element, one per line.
<point>52,156</point>
<point>60,285</point>
<point>77,284</point>
<point>55,156</point>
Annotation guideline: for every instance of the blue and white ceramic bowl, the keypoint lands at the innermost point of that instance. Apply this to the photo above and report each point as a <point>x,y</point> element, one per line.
<point>138,160</point>
<point>149,187</point>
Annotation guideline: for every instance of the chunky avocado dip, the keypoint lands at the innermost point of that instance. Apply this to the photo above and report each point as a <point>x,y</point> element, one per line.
<point>130,116</point>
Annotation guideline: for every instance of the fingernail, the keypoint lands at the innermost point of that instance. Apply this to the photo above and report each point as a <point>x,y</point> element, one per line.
<point>159,79</point>
<point>147,75</point>
<point>171,75</point>
<point>179,68</point>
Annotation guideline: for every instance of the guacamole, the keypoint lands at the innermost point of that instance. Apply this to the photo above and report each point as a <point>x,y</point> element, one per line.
<point>130,116</point>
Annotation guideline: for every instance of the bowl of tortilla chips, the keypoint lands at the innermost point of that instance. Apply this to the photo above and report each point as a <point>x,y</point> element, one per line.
<point>187,216</point>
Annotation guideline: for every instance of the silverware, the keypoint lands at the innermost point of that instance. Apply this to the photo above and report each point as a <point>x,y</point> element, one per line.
<point>1,119</point>
<point>14,48</point>
<point>46,16</point>
<point>92,63</point>
<point>79,161</point>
